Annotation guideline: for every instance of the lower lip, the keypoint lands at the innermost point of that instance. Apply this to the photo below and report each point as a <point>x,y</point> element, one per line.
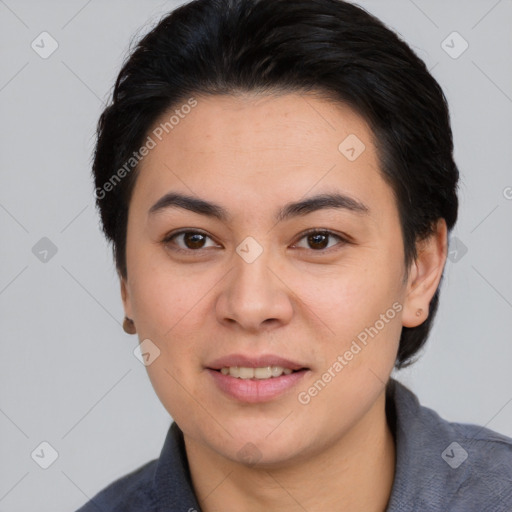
<point>256,390</point>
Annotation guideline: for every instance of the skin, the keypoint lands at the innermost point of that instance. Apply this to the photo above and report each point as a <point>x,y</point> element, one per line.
<point>252,155</point>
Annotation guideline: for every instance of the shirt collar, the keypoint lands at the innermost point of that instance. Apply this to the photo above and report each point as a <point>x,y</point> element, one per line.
<point>422,477</point>
<point>172,481</point>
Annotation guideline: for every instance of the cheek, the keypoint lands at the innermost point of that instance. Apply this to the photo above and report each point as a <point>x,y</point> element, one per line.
<point>166,300</point>
<point>168,312</point>
<point>361,308</point>
<point>180,395</point>
<point>350,300</point>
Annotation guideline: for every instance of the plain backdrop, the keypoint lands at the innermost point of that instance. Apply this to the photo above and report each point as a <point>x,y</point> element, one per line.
<point>68,373</point>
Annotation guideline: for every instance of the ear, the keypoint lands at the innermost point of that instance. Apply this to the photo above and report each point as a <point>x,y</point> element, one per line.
<point>425,275</point>
<point>125,296</point>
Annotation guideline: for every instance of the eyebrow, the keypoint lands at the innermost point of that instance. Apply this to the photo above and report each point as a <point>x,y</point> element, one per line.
<point>289,210</point>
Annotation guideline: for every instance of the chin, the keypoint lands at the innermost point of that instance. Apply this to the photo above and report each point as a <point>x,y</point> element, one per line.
<point>260,454</point>
<point>258,445</point>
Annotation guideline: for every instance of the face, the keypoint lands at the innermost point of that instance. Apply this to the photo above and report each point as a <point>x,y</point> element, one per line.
<point>235,296</point>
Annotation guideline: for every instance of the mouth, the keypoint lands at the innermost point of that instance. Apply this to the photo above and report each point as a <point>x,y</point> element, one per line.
<point>255,379</point>
<point>263,372</point>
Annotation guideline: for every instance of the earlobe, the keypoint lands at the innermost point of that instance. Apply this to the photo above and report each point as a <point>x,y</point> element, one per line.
<point>128,324</point>
<point>425,275</point>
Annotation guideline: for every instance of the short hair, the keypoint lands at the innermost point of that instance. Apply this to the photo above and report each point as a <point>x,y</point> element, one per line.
<point>328,47</point>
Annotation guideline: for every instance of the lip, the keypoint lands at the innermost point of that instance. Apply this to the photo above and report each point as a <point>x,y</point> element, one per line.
<point>255,390</point>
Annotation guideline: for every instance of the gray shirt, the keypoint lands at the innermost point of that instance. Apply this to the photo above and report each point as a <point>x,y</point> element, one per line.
<point>441,467</point>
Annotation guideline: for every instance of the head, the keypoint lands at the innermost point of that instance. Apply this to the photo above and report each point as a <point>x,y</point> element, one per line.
<point>315,151</point>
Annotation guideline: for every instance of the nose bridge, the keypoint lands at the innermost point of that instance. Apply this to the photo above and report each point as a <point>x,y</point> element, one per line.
<point>253,294</point>
<point>252,268</point>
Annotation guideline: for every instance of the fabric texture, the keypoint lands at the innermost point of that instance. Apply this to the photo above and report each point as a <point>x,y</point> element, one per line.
<point>441,466</point>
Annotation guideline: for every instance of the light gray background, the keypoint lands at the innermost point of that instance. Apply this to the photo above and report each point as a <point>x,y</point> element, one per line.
<point>68,373</point>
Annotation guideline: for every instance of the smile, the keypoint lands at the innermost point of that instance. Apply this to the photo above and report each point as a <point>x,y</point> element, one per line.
<point>265,372</point>
<point>255,379</point>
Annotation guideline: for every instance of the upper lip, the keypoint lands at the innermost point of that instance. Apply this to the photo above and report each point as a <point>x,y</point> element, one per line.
<point>259,361</point>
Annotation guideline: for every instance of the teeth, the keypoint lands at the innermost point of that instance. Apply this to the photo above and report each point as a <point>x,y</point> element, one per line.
<point>245,373</point>
<point>266,372</point>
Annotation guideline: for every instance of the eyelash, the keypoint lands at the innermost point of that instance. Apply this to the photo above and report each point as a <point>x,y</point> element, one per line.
<point>343,240</point>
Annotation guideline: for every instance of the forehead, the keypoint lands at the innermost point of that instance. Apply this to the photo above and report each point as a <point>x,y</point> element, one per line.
<point>246,148</point>
<point>303,123</point>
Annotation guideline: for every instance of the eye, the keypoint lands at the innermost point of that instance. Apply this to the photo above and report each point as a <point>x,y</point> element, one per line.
<point>318,240</point>
<point>191,241</point>
<point>195,241</point>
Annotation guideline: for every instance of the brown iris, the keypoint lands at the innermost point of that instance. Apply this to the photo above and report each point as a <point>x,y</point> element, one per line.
<point>318,240</point>
<point>194,240</point>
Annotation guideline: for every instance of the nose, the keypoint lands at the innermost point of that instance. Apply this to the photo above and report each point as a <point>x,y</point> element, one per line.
<point>254,296</point>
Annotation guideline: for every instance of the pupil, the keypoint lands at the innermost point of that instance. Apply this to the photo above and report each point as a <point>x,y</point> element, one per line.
<point>318,238</point>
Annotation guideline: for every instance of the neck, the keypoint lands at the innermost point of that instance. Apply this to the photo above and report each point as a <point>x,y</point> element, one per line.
<point>355,473</point>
